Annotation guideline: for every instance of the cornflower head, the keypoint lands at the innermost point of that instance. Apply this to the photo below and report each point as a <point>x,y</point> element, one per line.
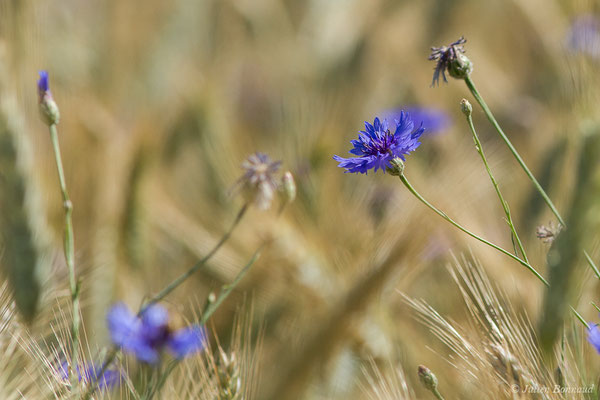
<point>594,336</point>
<point>148,334</point>
<point>48,107</point>
<point>434,120</point>
<point>376,146</point>
<point>584,35</point>
<point>89,373</point>
<point>450,59</point>
<point>259,182</point>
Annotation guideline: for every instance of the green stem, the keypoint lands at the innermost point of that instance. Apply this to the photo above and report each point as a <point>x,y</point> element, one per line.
<point>228,288</point>
<point>437,394</point>
<point>183,277</point>
<point>592,264</point>
<point>579,317</point>
<point>509,219</point>
<point>225,292</point>
<point>69,249</point>
<point>457,225</point>
<point>491,118</point>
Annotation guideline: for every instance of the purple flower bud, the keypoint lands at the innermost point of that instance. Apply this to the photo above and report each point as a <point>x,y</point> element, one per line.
<point>48,108</point>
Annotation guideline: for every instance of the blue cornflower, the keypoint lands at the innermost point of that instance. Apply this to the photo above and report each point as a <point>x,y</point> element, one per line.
<point>147,335</point>
<point>584,35</point>
<point>377,145</point>
<point>434,120</point>
<point>594,336</point>
<point>90,373</point>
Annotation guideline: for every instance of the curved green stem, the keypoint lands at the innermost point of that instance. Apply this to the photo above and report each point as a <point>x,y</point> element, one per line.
<point>437,394</point>
<point>509,219</point>
<point>69,250</point>
<point>212,307</point>
<point>457,225</point>
<point>183,277</point>
<point>512,149</point>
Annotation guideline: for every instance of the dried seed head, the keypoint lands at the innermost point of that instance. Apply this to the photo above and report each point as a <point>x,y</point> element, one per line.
<point>547,234</point>
<point>451,59</point>
<point>258,182</point>
<point>229,377</point>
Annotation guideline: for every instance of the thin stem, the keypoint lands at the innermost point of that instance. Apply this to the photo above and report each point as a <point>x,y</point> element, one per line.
<point>509,219</point>
<point>183,277</point>
<point>225,292</point>
<point>437,394</point>
<point>228,288</point>
<point>512,149</point>
<point>457,225</point>
<point>69,249</point>
<point>592,264</point>
<point>579,317</point>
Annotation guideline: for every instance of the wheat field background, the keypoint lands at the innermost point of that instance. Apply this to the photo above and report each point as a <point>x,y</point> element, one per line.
<point>162,101</point>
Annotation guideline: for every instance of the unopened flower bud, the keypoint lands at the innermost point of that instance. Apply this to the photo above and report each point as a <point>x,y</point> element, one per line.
<point>289,186</point>
<point>48,107</point>
<point>460,67</point>
<point>427,378</point>
<point>466,107</point>
<point>396,166</point>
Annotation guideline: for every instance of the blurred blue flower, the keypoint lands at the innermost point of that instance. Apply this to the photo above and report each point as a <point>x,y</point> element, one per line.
<point>110,378</point>
<point>434,120</point>
<point>147,335</point>
<point>584,35</point>
<point>377,145</point>
<point>594,336</point>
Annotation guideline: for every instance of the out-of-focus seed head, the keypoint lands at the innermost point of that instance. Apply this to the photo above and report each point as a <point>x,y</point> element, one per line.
<point>427,378</point>
<point>548,233</point>
<point>259,182</point>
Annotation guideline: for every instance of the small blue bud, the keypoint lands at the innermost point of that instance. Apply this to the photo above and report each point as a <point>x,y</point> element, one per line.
<point>48,107</point>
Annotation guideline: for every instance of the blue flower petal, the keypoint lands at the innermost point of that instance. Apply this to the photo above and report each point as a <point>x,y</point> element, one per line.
<point>124,327</point>
<point>594,336</point>
<point>42,83</point>
<point>154,321</point>
<point>187,341</point>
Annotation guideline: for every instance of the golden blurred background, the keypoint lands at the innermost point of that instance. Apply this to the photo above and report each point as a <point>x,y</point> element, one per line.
<point>162,101</point>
